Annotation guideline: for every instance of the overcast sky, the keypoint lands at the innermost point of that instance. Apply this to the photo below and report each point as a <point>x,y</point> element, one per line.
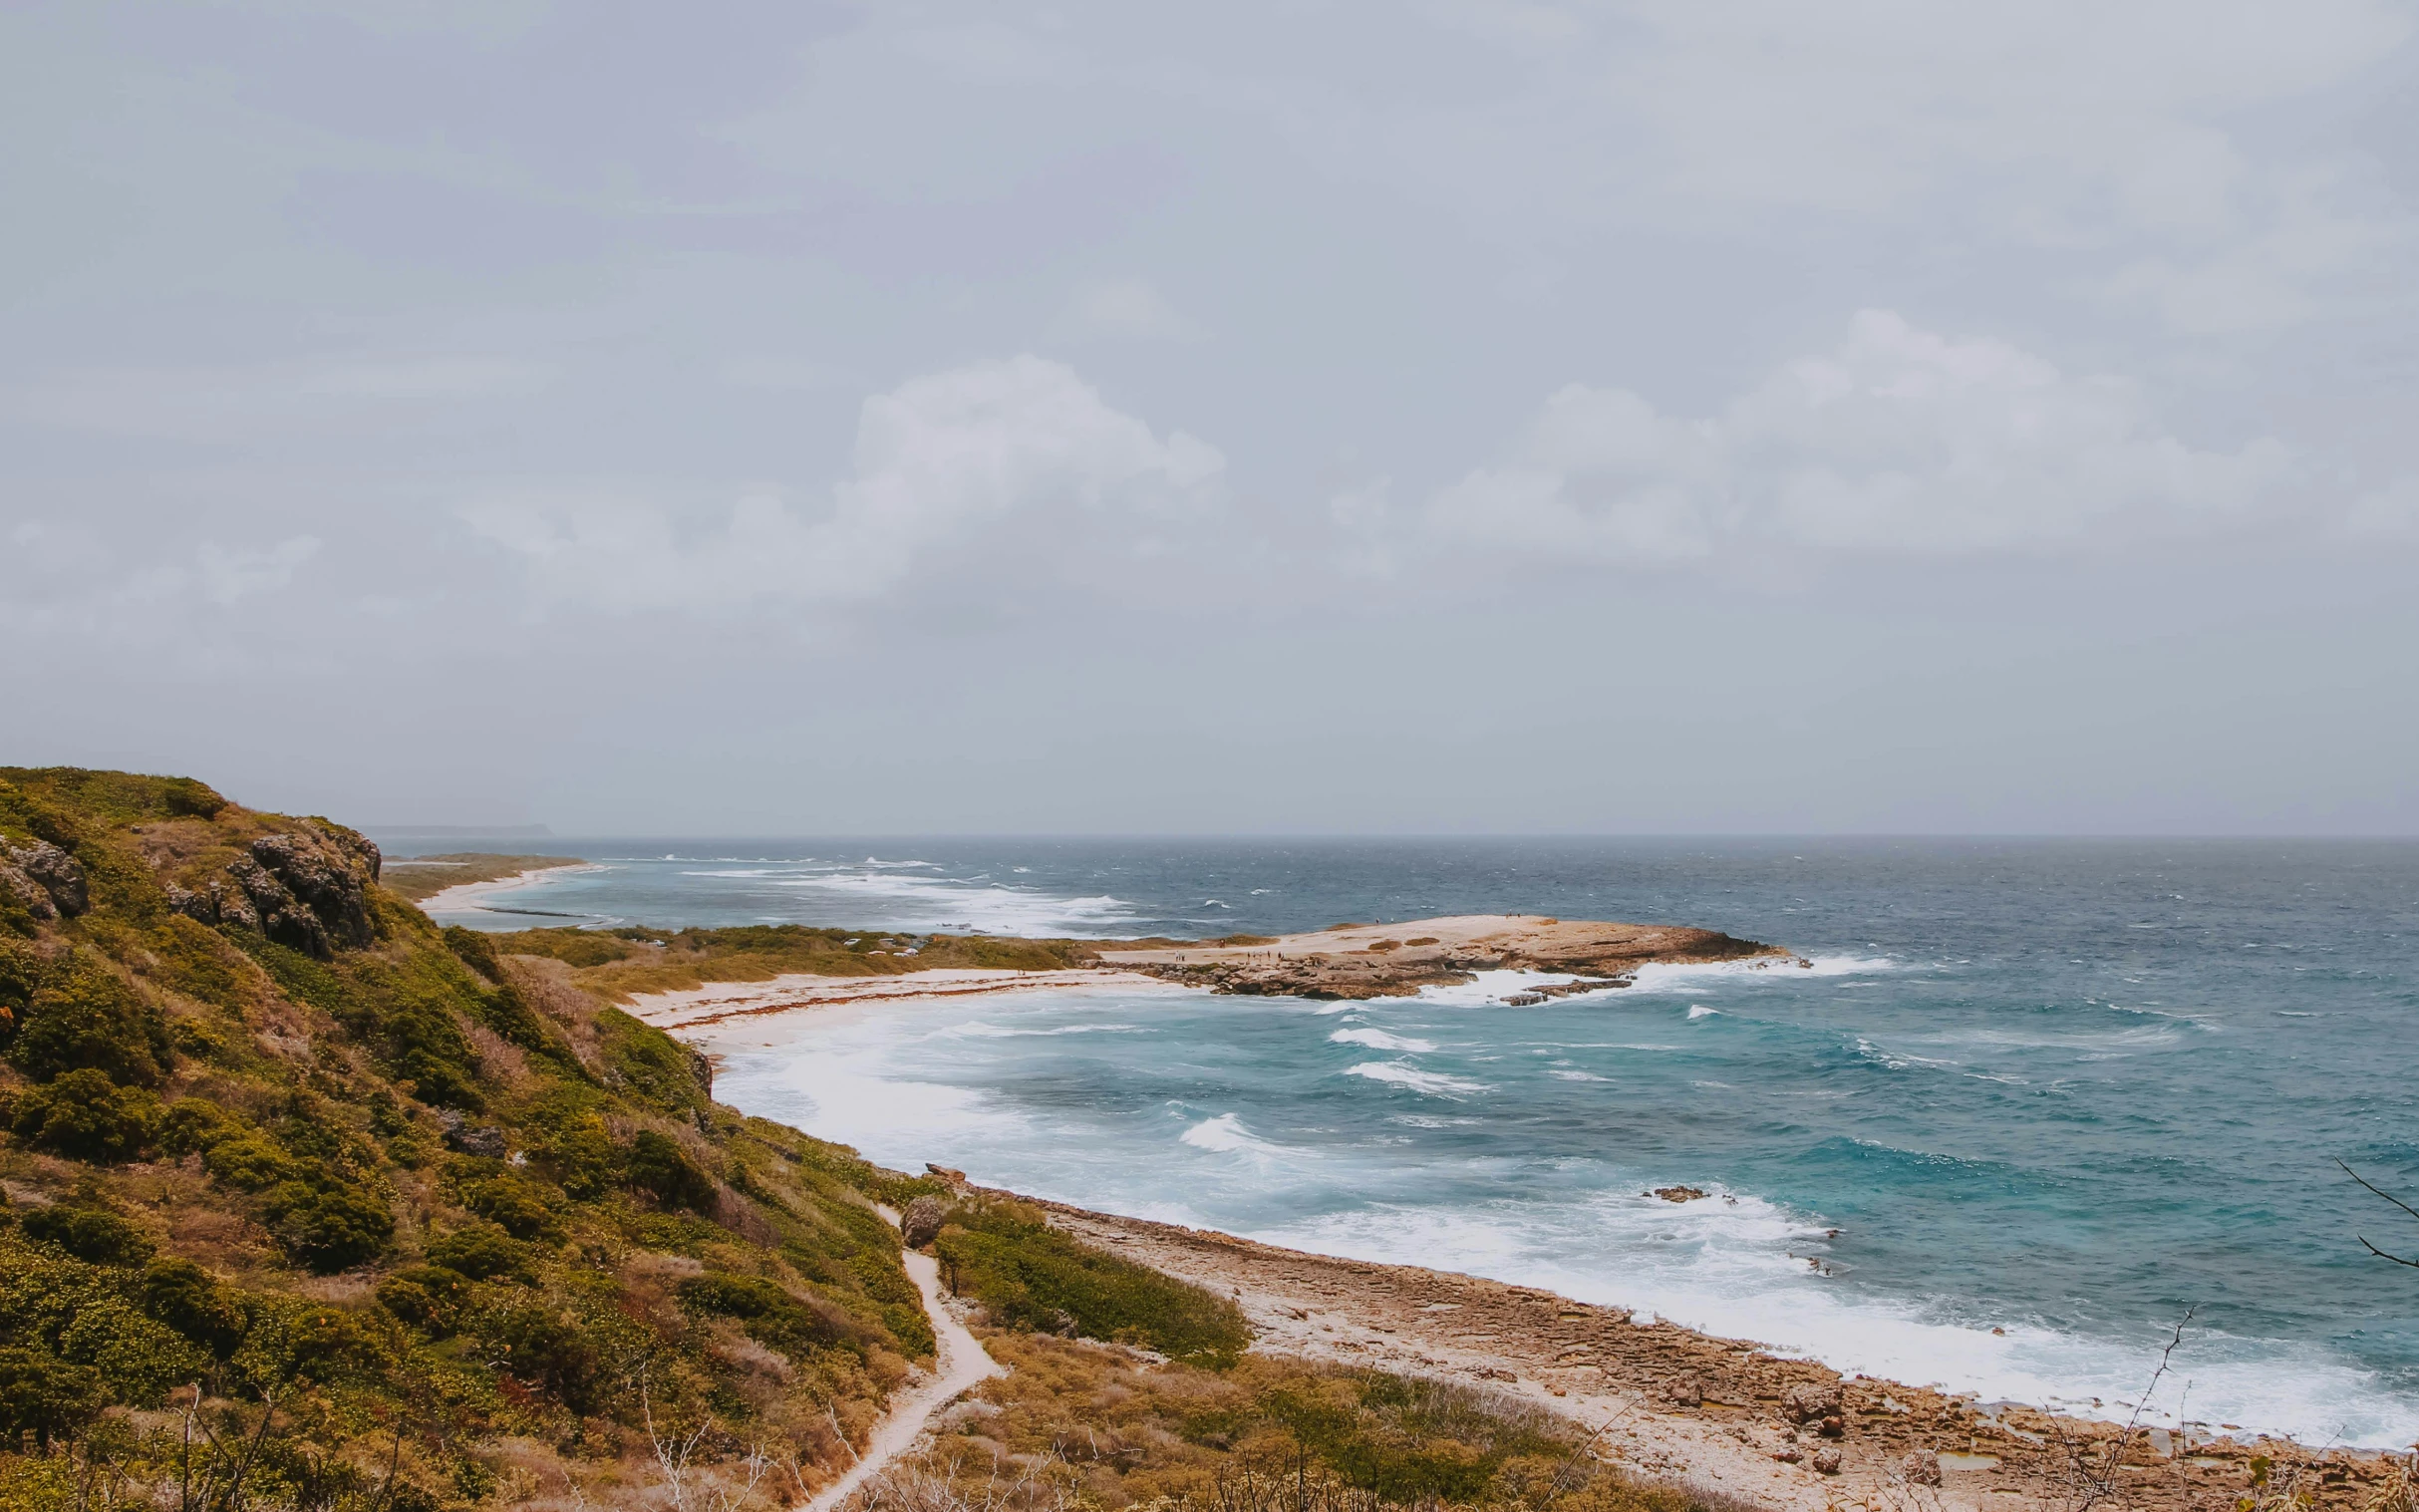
<point>1394,416</point>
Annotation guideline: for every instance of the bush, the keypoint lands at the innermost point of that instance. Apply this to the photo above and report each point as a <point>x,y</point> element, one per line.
<point>517,1205</point>
<point>137,1358</point>
<point>88,1233</point>
<point>658,1166</point>
<point>188,1299</point>
<point>1031,1276</point>
<point>331,1228</point>
<point>86,1116</point>
<point>483,1252</point>
<point>548,1350</point>
<point>431,1298</point>
<point>45,1397</point>
<point>85,1017</point>
<point>769,1314</point>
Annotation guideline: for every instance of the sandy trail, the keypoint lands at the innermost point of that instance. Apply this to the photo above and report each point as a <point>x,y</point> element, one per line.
<point>963,1364</point>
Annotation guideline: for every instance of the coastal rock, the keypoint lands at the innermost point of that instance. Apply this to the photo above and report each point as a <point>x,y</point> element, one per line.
<point>276,912</point>
<point>1811,1401</point>
<point>330,872</point>
<point>56,872</point>
<point>1679,1194</point>
<point>921,1224</point>
<point>1920,1469</point>
<point>473,1139</point>
<point>701,1071</point>
<point>1684,1391</point>
<point>1827,1460</point>
<point>1356,961</point>
<point>26,893</point>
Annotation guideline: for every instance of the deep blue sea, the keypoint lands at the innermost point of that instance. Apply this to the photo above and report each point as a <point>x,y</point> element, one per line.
<point>2039,1099</point>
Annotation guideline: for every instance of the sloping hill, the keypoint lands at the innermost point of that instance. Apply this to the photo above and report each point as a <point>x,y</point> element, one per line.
<point>342,1209</point>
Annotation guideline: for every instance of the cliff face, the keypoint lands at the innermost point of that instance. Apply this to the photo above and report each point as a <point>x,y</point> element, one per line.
<point>1395,960</point>
<point>400,1222</point>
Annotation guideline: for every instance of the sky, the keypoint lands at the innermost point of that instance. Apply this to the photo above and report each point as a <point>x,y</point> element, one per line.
<point>1426,416</point>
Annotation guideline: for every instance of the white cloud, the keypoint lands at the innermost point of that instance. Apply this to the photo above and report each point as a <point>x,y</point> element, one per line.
<point>1901,442</point>
<point>1130,309</point>
<point>938,460</point>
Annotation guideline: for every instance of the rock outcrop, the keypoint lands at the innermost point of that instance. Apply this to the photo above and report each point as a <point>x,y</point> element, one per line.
<point>307,889</point>
<point>921,1224</point>
<point>43,879</point>
<point>1394,960</point>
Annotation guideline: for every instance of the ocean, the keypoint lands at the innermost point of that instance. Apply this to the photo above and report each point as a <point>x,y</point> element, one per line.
<point>2039,1102</point>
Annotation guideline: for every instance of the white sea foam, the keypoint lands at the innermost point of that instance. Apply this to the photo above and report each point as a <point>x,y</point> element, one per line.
<point>1663,979</point>
<point>1400,1074</point>
<point>1576,1076</point>
<point>1379,1039</point>
<point>1227,1136</point>
<point>1699,1011</point>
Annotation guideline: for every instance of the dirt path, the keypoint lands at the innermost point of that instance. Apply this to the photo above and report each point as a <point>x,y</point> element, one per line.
<point>962,1364</point>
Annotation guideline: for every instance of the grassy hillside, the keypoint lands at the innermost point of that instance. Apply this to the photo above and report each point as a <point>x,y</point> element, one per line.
<point>310,1203</point>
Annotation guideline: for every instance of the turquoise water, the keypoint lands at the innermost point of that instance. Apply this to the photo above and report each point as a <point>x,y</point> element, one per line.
<point>2048,1094</point>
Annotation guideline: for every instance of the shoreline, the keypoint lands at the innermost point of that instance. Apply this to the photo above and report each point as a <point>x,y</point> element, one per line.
<point>456,896</point>
<point>1687,1407</point>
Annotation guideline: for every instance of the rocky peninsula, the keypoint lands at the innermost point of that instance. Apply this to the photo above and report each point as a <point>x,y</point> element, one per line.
<point>1397,959</point>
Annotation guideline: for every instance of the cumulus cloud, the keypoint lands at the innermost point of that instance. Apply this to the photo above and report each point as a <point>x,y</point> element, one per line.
<point>1901,442</point>
<point>938,460</point>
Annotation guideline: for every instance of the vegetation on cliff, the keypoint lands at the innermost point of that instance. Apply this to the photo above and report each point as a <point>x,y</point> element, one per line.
<point>311,1203</point>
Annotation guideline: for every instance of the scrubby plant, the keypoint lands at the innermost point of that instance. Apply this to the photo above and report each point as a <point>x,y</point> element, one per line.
<point>82,1015</point>
<point>84,1115</point>
<point>91,1234</point>
<point>1028,1275</point>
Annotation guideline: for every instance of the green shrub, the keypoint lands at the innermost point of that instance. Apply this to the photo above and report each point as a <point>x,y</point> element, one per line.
<point>86,1116</point>
<point>137,1358</point>
<point>84,1016</point>
<point>1028,1275</point>
<point>431,1298</point>
<point>483,1252</point>
<point>545,1346</point>
<point>658,1166</point>
<point>188,1299</point>
<point>517,1205</point>
<point>329,1228</point>
<point>88,1233</point>
<point>45,1397</point>
<point>769,1314</point>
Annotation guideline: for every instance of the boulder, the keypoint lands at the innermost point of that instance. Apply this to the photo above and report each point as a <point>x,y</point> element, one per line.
<point>473,1139</point>
<point>276,912</point>
<point>1920,1469</point>
<point>1684,1391</point>
<point>921,1224</point>
<point>26,893</point>
<point>1811,1400</point>
<point>58,873</point>
<point>1679,1194</point>
<point>331,873</point>
<point>1827,1460</point>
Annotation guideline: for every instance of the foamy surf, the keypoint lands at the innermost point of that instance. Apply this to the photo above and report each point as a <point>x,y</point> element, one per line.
<point>1402,1073</point>
<point>1379,1039</point>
